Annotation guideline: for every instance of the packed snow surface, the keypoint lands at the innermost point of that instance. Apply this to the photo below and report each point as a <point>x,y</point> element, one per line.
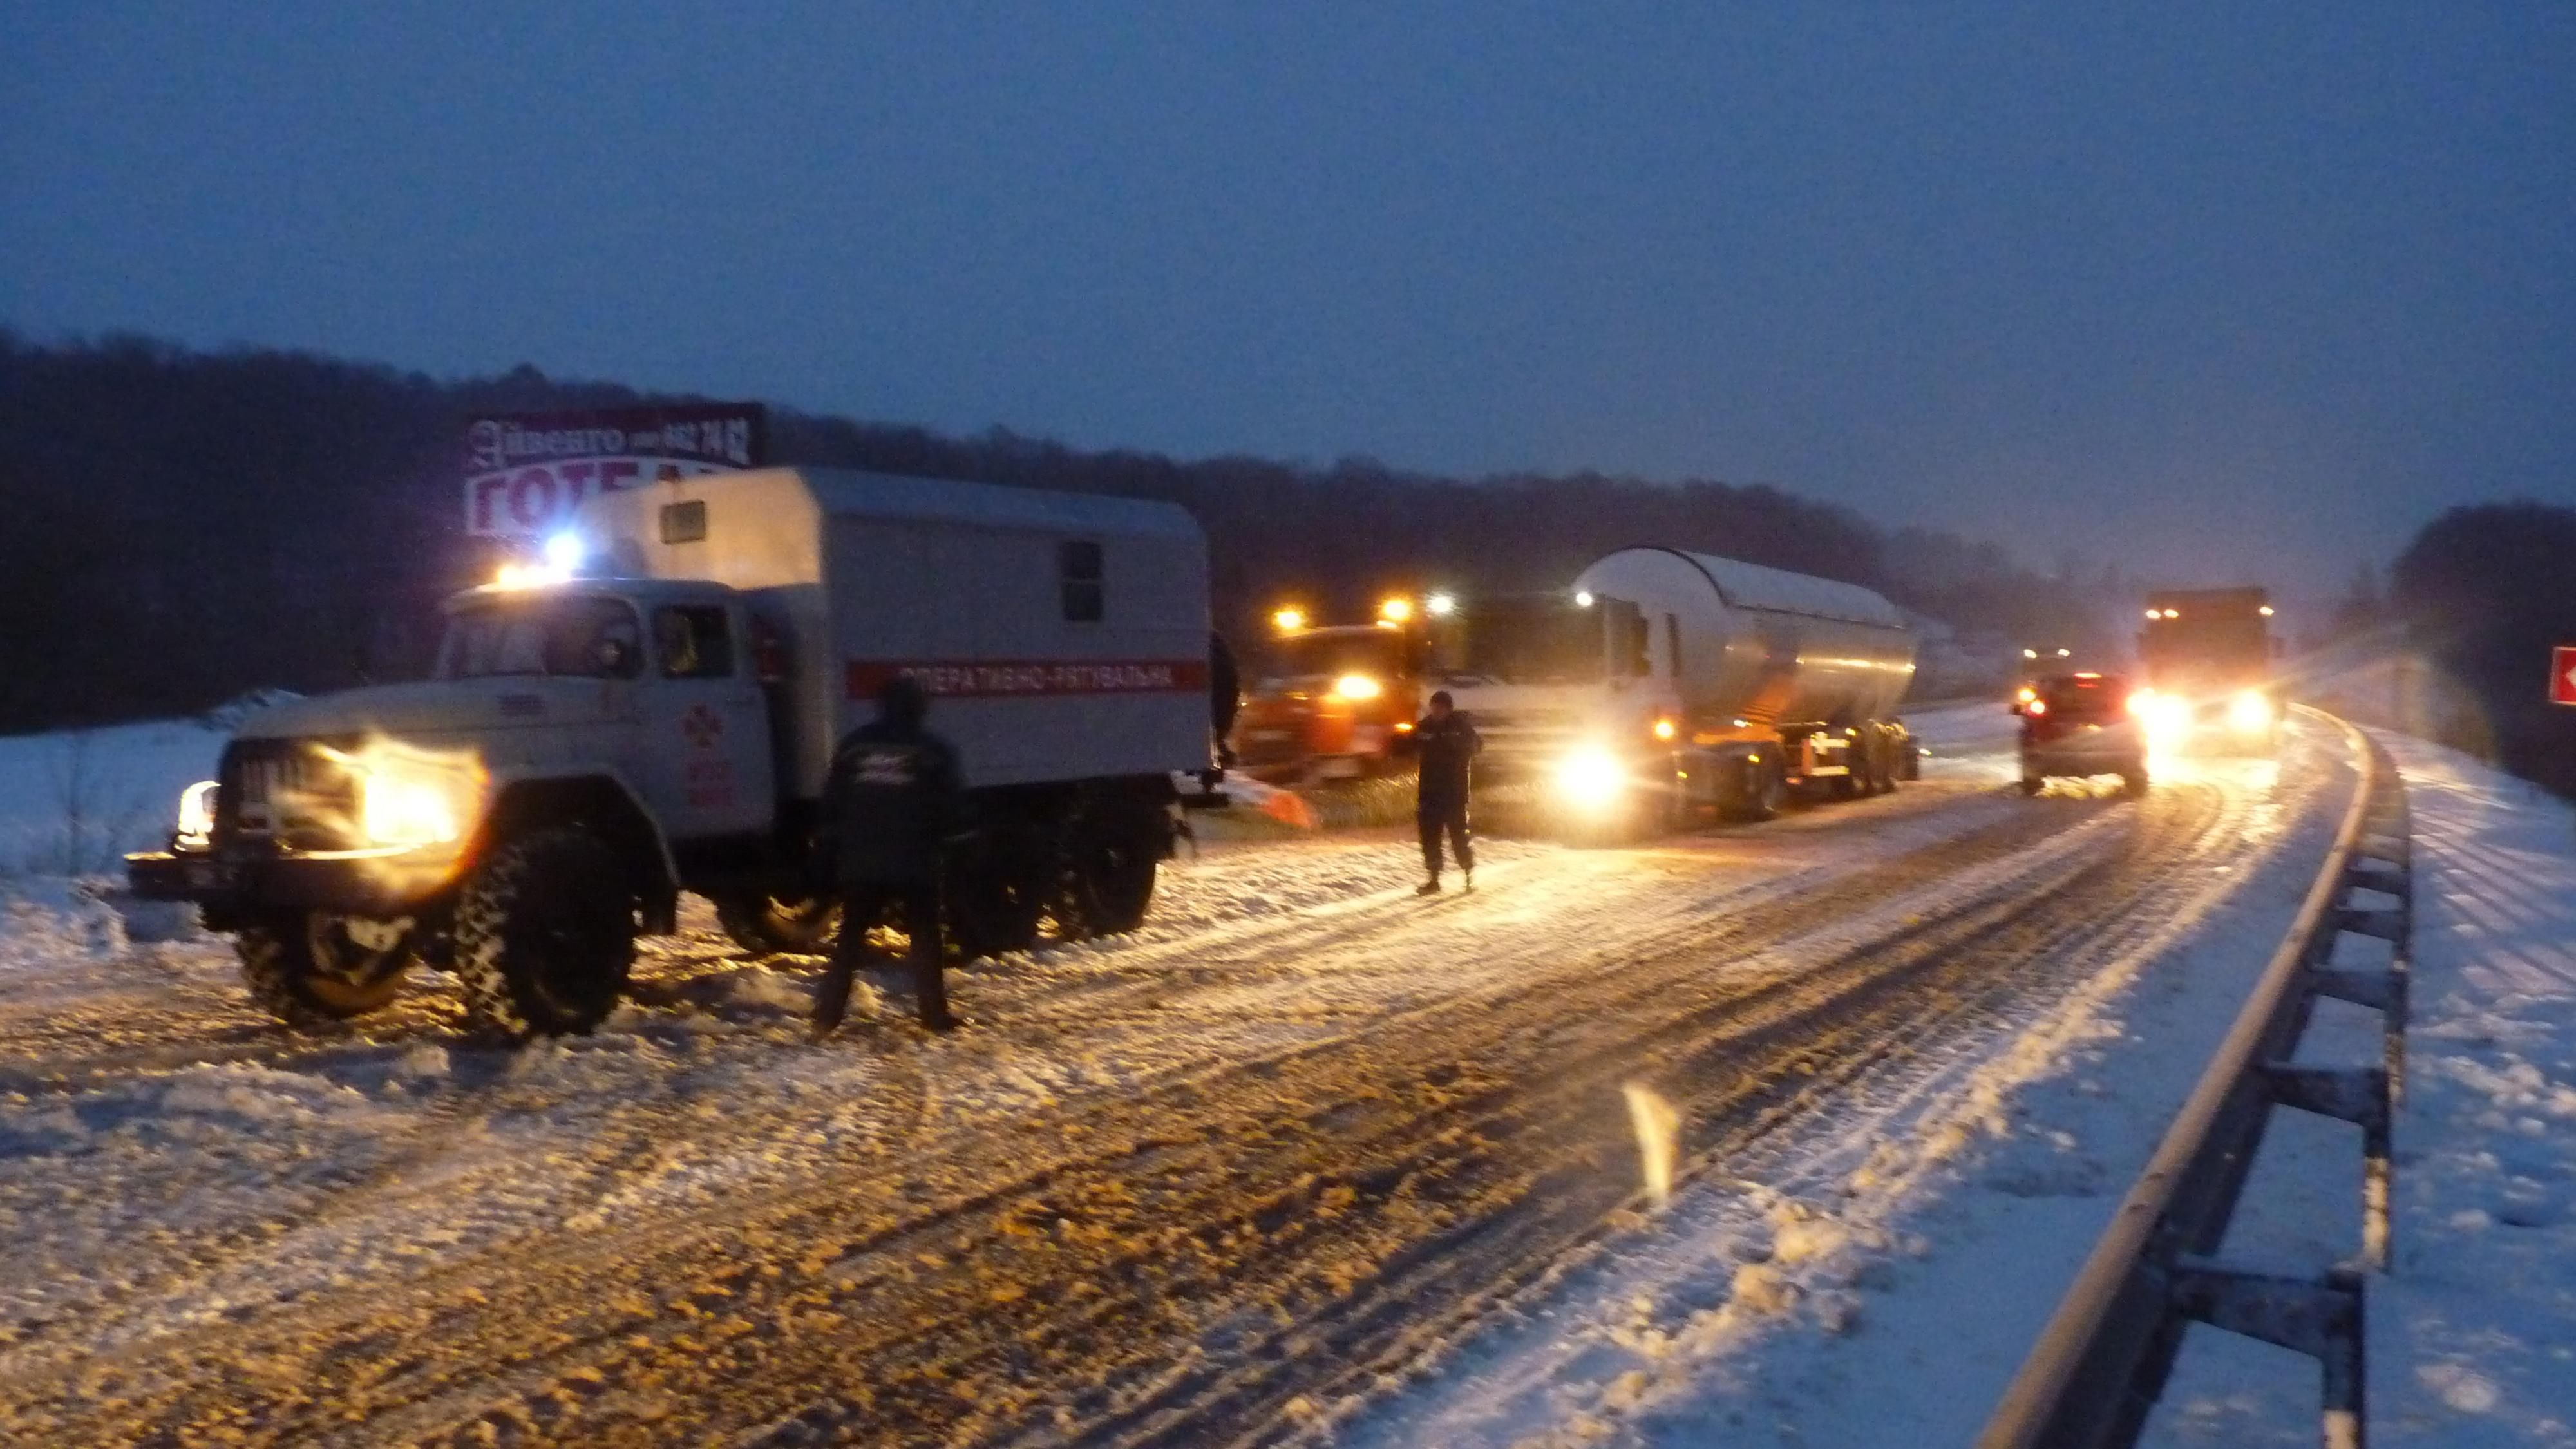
<point>1629,1145</point>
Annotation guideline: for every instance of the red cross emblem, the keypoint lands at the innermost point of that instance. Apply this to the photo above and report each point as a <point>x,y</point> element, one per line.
<point>703,726</point>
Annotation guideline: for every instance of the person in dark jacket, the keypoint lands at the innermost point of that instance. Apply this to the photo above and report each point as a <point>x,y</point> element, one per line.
<point>1447,744</point>
<point>890,801</point>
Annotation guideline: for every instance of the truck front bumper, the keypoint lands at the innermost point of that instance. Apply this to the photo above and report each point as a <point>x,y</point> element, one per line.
<point>230,887</point>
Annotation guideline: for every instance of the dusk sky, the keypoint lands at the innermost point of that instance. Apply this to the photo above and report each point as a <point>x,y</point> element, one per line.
<point>2231,292</point>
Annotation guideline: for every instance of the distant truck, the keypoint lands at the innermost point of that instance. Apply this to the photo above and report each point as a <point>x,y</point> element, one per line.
<point>654,713</point>
<point>1333,701</point>
<point>1666,684</point>
<point>2209,663</point>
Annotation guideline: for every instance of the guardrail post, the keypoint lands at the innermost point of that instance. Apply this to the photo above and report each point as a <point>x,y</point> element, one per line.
<point>2320,1318</point>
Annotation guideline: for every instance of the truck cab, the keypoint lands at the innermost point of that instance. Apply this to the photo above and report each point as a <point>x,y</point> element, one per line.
<point>1334,701</point>
<point>596,737</point>
<point>2210,660</point>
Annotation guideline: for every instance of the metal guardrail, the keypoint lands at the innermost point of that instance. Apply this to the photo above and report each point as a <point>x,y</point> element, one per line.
<point>2103,1359</point>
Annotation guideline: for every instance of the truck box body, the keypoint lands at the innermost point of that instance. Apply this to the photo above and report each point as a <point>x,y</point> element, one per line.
<point>1061,636</point>
<point>1761,644</point>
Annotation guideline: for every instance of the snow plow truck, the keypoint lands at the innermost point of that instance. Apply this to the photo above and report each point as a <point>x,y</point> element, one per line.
<point>653,710</point>
<point>1666,685</point>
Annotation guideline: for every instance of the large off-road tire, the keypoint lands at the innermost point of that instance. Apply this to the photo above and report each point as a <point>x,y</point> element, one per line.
<point>2133,780</point>
<point>2032,784</point>
<point>1111,852</point>
<point>313,970</point>
<point>780,925</point>
<point>545,935</point>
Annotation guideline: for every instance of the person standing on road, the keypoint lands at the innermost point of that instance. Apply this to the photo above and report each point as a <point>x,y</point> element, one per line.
<point>889,803</point>
<point>1447,744</point>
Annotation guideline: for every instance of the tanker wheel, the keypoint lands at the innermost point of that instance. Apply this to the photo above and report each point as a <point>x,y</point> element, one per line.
<point>1766,791</point>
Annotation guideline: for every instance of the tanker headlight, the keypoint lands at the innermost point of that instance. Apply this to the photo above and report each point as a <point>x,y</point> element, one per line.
<point>1591,778</point>
<point>2250,713</point>
<point>1440,606</point>
<point>1583,598</point>
<point>1395,610</point>
<point>1288,621</point>
<point>196,817</point>
<point>2167,718</point>
<point>1357,686</point>
<point>1665,729</point>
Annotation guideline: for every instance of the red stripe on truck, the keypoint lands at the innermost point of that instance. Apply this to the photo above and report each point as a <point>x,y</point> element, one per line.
<point>1005,678</point>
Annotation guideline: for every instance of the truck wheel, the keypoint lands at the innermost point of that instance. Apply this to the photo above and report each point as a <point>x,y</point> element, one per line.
<point>2133,781</point>
<point>779,925</point>
<point>2032,784</point>
<point>314,970</point>
<point>1110,863</point>
<point>995,896</point>
<point>545,935</point>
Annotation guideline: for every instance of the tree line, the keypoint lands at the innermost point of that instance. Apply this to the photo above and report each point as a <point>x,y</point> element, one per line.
<point>184,526</point>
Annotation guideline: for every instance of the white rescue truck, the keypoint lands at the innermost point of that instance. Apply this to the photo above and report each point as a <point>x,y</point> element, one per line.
<point>1665,684</point>
<point>654,712</point>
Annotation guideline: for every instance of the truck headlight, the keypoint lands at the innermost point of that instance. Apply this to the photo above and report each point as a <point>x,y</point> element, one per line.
<point>1357,686</point>
<point>2165,717</point>
<point>1591,777</point>
<point>196,817</point>
<point>2250,713</point>
<point>395,808</point>
<point>408,797</point>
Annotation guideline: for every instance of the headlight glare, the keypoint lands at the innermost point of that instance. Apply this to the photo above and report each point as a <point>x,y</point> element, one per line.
<point>1591,777</point>
<point>2250,712</point>
<point>197,815</point>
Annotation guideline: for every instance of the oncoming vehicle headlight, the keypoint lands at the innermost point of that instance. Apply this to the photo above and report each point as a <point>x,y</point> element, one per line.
<point>1591,777</point>
<point>2166,718</point>
<point>197,816</point>
<point>2250,712</point>
<point>1357,686</point>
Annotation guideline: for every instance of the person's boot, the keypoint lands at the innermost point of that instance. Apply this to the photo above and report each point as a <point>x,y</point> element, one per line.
<point>933,989</point>
<point>1470,873</point>
<point>1430,887</point>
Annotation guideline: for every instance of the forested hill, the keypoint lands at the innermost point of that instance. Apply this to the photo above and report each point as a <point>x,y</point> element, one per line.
<point>182,526</point>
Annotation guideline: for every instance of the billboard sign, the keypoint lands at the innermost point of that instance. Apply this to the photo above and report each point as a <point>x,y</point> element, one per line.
<point>526,472</point>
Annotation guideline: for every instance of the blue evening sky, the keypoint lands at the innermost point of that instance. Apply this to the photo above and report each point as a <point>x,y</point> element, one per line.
<point>2234,291</point>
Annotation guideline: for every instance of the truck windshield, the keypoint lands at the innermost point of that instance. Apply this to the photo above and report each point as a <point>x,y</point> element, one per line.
<point>1546,640</point>
<point>1378,653</point>
<point>575,635</point>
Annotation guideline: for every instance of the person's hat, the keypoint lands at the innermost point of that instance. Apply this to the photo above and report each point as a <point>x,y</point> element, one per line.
<point>1441,696</point>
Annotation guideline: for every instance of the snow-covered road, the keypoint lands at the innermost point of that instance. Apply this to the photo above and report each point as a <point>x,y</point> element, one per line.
<point>1301,1158</point>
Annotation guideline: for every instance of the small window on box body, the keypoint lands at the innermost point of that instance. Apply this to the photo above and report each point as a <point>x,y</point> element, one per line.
<point>684,522</point>
<point>1077,563</point>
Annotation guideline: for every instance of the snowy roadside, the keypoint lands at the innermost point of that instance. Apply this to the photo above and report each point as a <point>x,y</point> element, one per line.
<point>2472,1337</point>
<point>1885,1293</point>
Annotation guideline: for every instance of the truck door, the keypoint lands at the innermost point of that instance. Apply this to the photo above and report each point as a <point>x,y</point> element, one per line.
<point>707,745</point>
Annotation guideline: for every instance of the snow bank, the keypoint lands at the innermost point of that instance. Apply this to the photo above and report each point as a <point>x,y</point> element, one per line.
<point>72,802</point>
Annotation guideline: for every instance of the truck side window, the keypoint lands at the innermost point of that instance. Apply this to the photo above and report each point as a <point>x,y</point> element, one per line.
<point>693,641</point>
<point>1078,574</point>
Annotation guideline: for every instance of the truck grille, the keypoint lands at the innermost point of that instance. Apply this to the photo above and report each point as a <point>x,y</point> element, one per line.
<point>287,793</point>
